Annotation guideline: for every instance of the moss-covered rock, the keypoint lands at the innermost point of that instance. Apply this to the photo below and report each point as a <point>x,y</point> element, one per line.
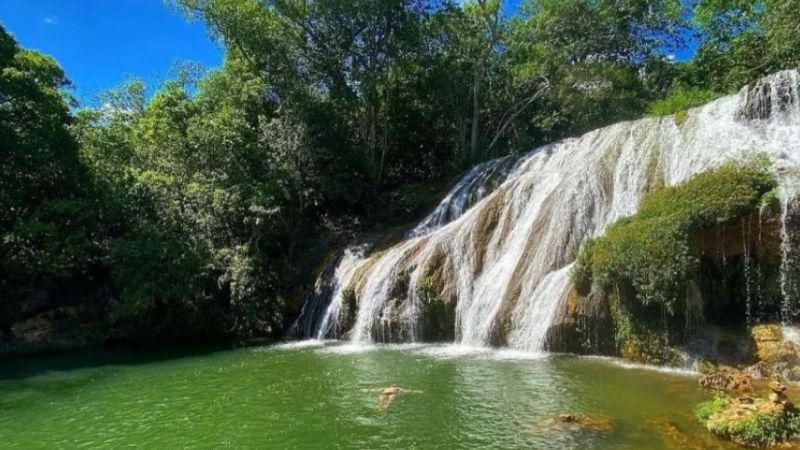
<point>772,348</point>
<point>654,281</point>
<point>650,250</point>
<point>752,422</point>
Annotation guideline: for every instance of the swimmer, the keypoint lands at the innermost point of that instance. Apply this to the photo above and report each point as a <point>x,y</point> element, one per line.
<point>388,394</point>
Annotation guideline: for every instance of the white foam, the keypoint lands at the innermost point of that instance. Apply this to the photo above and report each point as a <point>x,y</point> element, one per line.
<point>618,362</point>
<point>296,345</point>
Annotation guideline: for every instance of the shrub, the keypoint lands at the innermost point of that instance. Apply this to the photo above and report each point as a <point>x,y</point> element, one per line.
<point>679,101</point>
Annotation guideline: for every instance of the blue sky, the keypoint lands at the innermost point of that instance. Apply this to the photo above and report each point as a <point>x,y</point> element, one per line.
<point>102,42</point>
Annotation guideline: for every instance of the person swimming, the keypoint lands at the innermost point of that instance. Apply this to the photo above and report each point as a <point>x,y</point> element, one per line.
<point>388,394</point>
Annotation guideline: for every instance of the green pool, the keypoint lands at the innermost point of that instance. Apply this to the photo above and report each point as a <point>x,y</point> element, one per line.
<point>326,396</point>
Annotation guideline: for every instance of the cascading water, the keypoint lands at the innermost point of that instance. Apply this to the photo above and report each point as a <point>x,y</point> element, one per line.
<point>503,264</point>
<point>472,187</point>
<point>747,273</point>
<point>319,318</point>
<point>351,259</point>
<point>786,253</point>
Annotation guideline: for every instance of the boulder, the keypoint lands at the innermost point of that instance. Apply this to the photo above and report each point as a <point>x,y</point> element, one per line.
<point>772,348</point>
<point>35,331</point>
<point>727,379</point>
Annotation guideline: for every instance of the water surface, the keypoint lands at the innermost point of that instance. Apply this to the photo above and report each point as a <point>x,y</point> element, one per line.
<point>325,396</point>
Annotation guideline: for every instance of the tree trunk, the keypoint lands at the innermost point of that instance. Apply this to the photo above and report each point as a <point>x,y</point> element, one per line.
<point>476,112</point>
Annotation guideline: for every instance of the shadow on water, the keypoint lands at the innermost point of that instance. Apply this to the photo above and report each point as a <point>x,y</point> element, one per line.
<point>23,366</point>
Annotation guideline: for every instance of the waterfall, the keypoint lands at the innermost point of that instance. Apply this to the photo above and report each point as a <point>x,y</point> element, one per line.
<point>747,271</point>
<point>476,184</point>
<point>320,316</point>
<point>499,254</point>
<point>786,251</point>
<point>349,262</point>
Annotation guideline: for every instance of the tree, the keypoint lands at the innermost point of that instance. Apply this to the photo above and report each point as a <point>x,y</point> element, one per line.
<point>482,35</point>
<point>594,74</point>
<point>743,40</point>
<point>48,230</point>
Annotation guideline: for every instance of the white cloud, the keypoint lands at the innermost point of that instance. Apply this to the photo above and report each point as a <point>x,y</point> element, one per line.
<point>50,20</point>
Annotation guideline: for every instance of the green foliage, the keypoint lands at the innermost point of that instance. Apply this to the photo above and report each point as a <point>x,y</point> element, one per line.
<point>152,271</point>
<point>705,410</point>
<point>595,73</point>
<point>760,430</point>
<point>752,429</point>
<point>679,101</point>
<point>49,233</point>
<point>649,252</point>
<point>744,40</point>
<point>636,337</point>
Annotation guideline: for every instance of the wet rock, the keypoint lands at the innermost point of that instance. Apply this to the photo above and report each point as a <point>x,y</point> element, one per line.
<point>672,436</point>
<point>767,96</point>
<point>706,366</point>
<point>777,388</point>
<point>727,379</point>
<point>758,371</point>
<point>779,358</point>
<point>757,104</point>
<point>772,347</point>
<point>580,422</point>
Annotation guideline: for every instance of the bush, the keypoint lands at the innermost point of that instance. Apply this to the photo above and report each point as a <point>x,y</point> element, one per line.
<point>679,101</point>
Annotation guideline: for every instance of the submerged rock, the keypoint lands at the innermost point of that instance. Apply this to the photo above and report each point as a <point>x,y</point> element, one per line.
<point>579,422</point>
<point>672,436</point>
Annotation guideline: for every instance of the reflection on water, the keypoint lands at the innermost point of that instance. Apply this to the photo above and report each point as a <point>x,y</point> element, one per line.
<point>326,395</point>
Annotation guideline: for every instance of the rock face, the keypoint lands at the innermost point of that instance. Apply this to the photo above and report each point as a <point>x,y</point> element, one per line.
<point>778,357</point>
<point>35,331</point>
<point>737,281</point>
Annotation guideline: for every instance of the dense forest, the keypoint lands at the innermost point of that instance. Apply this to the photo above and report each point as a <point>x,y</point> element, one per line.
<point>199,210</point>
